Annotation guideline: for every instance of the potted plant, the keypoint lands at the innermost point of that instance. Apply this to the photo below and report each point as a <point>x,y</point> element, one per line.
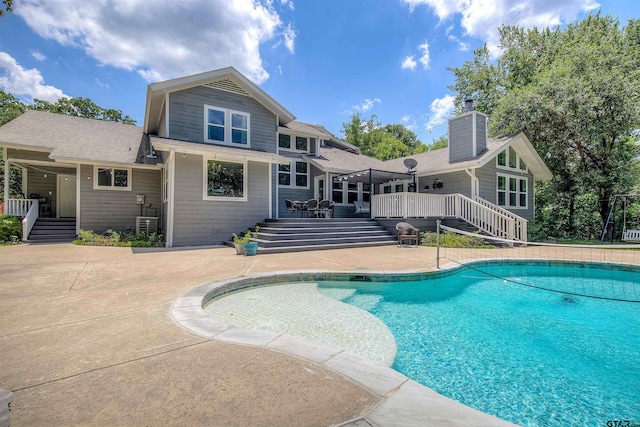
<point>244,245</point>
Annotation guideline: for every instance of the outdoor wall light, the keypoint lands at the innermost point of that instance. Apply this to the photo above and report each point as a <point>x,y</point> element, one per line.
<point>437,183</point>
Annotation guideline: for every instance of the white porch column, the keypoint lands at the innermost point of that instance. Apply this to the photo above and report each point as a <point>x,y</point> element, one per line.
<point>171,167</point>
<point>7,176</point>
<point>78,184</point>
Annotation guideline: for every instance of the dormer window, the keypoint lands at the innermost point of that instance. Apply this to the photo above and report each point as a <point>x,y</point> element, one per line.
<point>298,144</point>
<point>223,126</point>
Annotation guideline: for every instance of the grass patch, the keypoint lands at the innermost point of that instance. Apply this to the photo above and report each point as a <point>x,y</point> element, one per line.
<point>114,238</point>
<point>453,240</point>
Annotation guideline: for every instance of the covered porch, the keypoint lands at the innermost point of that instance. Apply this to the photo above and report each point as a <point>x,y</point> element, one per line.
<point>485,216</point>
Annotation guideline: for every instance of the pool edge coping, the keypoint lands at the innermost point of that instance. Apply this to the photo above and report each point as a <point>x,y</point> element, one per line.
<point>401,398</point>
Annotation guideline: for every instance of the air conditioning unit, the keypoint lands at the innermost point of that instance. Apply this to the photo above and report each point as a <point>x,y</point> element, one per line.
<point>147,224</point>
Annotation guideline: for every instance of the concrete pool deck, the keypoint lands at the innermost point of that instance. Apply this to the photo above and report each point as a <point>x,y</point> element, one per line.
<point>87,338</point>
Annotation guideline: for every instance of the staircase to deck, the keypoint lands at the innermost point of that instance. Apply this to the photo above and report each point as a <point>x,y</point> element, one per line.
<point>310,234</point>
<point>50,230</point>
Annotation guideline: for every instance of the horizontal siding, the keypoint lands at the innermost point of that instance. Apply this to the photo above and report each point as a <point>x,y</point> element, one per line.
<point>488,181</point>
<point>209,222</point>
<point>460,138</point>
<point>186,116</point>
<point>481,133</point>
<point>454,182</point>
<point>101,210</point>
<point>38,184</point>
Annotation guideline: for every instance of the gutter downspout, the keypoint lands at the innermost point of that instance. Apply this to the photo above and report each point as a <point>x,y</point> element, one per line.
<point>475,183</point>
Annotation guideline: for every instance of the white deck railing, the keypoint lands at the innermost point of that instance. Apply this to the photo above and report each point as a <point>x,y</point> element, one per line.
<point>18,207</point>
<point>29,219</point>
<point>418,205</point>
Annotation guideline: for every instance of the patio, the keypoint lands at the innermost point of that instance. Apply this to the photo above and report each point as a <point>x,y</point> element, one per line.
<point>87,340</point>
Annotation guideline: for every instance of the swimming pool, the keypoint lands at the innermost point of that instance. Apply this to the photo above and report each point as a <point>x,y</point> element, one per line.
<point>526,355</point>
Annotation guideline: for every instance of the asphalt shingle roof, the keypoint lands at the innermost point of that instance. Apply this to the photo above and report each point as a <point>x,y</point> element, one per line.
<point>76,138</point>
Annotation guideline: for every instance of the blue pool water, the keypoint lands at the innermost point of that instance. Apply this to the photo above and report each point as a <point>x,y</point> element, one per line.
<point>530,356</point>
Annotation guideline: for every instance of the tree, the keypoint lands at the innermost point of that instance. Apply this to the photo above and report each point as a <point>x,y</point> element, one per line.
<point>82,107</point>
<point>10,107</point>
<point>8,6</point>
<point>575,93</point>
<point>381,142</point>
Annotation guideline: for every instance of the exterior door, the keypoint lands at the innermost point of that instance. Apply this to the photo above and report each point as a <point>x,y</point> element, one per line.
<point>66,196</point>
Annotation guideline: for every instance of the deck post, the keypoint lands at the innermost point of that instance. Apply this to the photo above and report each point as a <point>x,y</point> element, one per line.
<point>438,244</point>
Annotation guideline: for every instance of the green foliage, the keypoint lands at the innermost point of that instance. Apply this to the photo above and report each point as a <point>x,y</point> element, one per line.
<point>9,226</point>
<point>10,107</point>
<point>82,107</point>
<point>246,238</point>
<point>8,6</point>
<point>574,92</point>
<point>381,142</point>
<point>452,240</point>
<point>114,238</point>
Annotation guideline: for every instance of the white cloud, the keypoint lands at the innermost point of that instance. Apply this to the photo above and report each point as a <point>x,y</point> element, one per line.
<point>25,83</point>
<point>441,110</point>
<point>289,35</point>
<point>175,40</point>
<point>280,69</point>
<point>99,83</point>
<point>482,18</point>
<point>405,118</point>
<point>409,63</point>
<point>39,56</point>
<point>424,59</point>
<point>367,104</point>
<point>288,3</point>
<point>461,45</point>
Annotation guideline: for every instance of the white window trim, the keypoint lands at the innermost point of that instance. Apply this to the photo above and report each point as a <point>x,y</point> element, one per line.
<point>292,175</point>
<point>227,126</point>
<point>205,178</point>
<point>518,192</point>
<point>292,147</point>
<point>405,185</point>
<point>112,188</point>
<point>507,167</point>
<point>345,193</point>
<point>165,185</point>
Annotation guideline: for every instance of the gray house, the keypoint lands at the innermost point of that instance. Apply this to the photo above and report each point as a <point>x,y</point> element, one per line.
<point>217,155</point>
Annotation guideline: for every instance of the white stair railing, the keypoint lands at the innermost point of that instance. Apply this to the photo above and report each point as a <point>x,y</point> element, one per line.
<point>29,220</point>
<point>521,223</point>
<point>419,205</point>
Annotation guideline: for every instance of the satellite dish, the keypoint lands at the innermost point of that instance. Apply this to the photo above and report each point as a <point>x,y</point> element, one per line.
<point>410,163</point>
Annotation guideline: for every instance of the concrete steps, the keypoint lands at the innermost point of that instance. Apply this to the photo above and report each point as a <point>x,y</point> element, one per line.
<point>50,230</point>
<point>310,234</point>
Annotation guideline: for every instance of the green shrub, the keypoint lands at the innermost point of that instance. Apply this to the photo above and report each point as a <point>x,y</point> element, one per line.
<point>452,240</point>
<point>114,238</point>
<point>9,226</point>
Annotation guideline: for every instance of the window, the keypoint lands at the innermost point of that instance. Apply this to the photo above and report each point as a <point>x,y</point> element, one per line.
<point>295,174</point>
<point>284,141</point>
<point>226,126</point>
<point>509,159</point>
<point>111,178</point>
<point>301,143</point>
<point>512,191</point>
<point>348,192</point>
<point>225,180</point>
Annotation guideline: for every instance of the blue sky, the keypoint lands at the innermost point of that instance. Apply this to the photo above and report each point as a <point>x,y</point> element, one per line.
<point>322,60</point>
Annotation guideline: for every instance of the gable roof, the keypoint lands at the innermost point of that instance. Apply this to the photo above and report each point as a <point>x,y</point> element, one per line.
<point>317,131</point>
<point>337,160</point>
<point>227,78</point>
<point>437,161</point>
<point>77,139</point>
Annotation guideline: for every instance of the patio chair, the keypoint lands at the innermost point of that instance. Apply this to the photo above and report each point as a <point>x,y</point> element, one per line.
<point>408,232</point>
<point>312,207</point>
<point>292,208</point>
<point>324,208</point>
<point>361,208</point>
